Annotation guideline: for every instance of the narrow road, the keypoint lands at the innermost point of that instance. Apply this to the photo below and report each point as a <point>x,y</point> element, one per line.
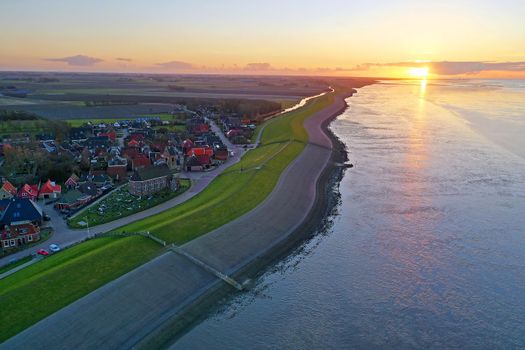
<point>122,313</point>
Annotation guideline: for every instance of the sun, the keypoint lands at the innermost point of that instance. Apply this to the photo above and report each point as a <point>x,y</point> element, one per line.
<point>418,72</point>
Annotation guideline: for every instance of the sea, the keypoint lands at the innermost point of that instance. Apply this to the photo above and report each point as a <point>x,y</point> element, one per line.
<point>426,247</point>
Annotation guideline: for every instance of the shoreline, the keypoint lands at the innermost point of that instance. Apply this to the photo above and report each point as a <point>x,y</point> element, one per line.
<point>327,196</point>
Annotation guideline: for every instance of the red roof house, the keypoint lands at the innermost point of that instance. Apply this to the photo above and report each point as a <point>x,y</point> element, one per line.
<point>7,190</point>
<point>72,182</point>
<point>140,161</point>
<point>133,143</point>
<point>28,191</point>
<point>50,190</point>
<point>112,135</point>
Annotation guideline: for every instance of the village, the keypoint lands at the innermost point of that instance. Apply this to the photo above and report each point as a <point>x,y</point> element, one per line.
<point>116,168</point>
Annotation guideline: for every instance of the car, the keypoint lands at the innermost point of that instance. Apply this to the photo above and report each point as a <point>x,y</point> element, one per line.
<point>42,252</point>
<point>54,248</point>
<point>47,217</point>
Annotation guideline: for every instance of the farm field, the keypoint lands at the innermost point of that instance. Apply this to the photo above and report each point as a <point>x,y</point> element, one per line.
<point>120,203</point>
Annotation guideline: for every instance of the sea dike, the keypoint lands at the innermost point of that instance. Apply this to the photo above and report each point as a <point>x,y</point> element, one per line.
<point>151,305</point>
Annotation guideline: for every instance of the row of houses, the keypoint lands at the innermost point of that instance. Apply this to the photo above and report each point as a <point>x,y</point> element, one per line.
<point>48,190</point>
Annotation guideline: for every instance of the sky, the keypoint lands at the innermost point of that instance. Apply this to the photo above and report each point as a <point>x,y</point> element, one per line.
<point>331,37</point>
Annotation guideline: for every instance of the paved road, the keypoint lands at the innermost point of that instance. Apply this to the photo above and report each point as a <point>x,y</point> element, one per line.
<point>121,313</point>
<point>65,236</point>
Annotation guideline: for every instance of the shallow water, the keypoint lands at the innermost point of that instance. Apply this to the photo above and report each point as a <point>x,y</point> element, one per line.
<point>427,249</point>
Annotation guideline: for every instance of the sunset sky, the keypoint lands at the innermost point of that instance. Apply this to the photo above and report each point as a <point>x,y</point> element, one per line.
<point>336,37</point>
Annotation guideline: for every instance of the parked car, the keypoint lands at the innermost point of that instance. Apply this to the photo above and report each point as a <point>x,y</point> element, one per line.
<point>42,252</point>
<point>54,248</point>
<point>47,217</point>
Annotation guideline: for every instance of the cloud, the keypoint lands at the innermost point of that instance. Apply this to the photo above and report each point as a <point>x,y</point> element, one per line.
<point>259,67</point>
<point>452,67</point>
<point>123,59</point>
<point>176,65</point>
<point>78,60</point>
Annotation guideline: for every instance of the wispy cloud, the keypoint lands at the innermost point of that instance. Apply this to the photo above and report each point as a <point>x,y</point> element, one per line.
<point>451,67</point>
<point>123,59</point>
<point>78,60</point>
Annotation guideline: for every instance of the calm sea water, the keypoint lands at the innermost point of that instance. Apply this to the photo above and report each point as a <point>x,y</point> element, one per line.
<point>427,249</point>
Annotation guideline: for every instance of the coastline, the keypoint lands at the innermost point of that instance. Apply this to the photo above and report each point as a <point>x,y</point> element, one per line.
<point>169,293</point>
<point>327,197</point>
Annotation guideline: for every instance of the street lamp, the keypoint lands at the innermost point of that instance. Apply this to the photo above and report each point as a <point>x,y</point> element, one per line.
<point>87,222</point>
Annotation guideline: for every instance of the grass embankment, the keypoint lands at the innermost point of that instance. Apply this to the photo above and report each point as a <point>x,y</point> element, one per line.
<point>15,264</point>
<point>39,290</point>
<point>120,203</point>
<point>239,189</point>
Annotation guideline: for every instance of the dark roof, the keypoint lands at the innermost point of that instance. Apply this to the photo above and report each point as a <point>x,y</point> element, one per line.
<point>150,173</point>
<point>88,188</point>
<point>20,209</point>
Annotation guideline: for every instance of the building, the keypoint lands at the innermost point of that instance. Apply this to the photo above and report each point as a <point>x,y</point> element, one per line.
<point>172,157</point>
<point>49,190</point>
<point>21,209</point>
<point>117,168</point>
<point>19,233</point>
<point>7,190</point>
<point>72,181</point>
<point>72,199</point>
<point>28,191</point>
<point>150,180</point>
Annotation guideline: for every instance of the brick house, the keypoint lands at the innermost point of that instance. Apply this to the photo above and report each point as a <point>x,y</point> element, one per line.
<point>150,180</point>
<point>19,233</point>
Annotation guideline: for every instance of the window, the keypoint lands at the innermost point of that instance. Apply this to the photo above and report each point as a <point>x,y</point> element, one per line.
<point>30,238</point>
<point>12,242</point>
<point>6,244</point>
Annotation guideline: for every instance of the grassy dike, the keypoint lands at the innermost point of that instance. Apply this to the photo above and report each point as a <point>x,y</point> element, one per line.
<point>33,293</point>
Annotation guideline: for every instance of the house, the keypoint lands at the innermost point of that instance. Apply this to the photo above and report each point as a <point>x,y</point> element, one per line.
<point>28,191</point>
<point>21,209</point>
<point>95,142</point>
<point>49,190</point>
<point>112,135</point>
<point>72,181</point>
<point>117,168</point>
<point>193,163</point>
<point>140,161</point>
<point>150,180</point>
<point>19,233</point>
<point>101,179</point>
<point>172,157</point>
<point>7,190</point>
<point>72,199</point>
<point>220,152</point>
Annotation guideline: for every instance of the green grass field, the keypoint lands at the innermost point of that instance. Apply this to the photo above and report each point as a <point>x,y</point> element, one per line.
<point>80,122</point>
<point>15,264</point>
<point>235,192</point>
<point>43,288</point>
<point>23,127</point>
<point>120,203</point>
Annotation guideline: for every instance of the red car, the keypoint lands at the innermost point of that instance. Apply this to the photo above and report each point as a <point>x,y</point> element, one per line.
<point>42,252</point>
